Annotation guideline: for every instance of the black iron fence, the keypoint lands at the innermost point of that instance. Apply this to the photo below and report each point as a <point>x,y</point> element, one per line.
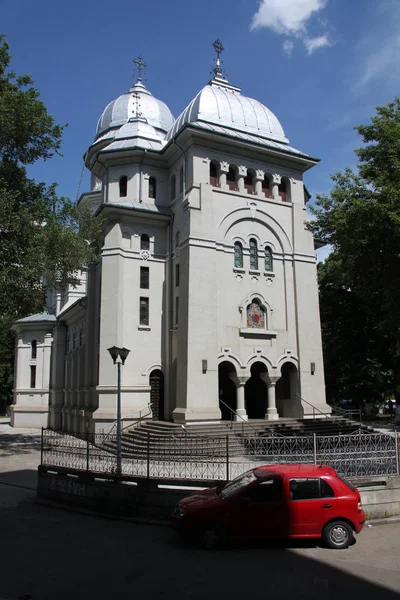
<point>220,458</point>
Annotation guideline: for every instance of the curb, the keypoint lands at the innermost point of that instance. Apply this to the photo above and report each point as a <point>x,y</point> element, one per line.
<point>382,521</point>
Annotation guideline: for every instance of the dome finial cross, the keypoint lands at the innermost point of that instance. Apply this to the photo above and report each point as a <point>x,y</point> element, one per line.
<point>218,47</point>
<point>140,66</point>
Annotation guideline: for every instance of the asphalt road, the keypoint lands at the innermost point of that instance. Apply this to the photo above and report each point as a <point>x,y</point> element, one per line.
<point>49,553</point>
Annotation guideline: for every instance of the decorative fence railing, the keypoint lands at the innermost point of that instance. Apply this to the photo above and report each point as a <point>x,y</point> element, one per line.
<point>221,458</point>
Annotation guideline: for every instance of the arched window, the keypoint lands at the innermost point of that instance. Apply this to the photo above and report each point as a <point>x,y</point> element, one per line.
<point>268,259</point>
<point>249,182</point>
<point>181,180</point>
<point>33,349</point>
<point>123,186</point>
<point>266,187</point>
<point>231,179</point>
<point>172,189</point>
<point>238,255</point>
<point>253,255</point>
<point>256,315</point>
<point>152,187</point>
<point>144,242</point>
<point>282,191</point>
<point>213,174</point>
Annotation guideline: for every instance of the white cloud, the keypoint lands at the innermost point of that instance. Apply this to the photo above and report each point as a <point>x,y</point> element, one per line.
<point>379,49</point>
<point>291,18</point>
<point>313,44</point>
<point>383,61</point>
<point>288,47</point>
<point>286,16</point>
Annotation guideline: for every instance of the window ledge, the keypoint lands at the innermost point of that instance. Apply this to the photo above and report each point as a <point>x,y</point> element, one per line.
<point>269,273</point>
<point>144,328</point>
<point>254,332</point>
<point>239,270</point>
<point>254,272</point>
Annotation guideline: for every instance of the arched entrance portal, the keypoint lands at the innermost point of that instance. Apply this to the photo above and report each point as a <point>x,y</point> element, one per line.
<point>157,394</point>
<point>227,390</point>
<point>287,402</point>
<point>256,392</point>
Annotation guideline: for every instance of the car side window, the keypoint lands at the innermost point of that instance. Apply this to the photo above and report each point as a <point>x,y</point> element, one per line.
<point>304,489</point>
<point>266,491</point>
<point>326,490</point>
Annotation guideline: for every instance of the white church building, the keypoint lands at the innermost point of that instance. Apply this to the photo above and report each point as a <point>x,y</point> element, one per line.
<point>207,274</point>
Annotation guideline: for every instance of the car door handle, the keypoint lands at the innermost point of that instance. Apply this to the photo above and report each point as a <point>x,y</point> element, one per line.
<point>327,506</point>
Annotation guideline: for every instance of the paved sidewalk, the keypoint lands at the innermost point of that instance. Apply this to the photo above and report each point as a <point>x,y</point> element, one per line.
<point>19,456</point>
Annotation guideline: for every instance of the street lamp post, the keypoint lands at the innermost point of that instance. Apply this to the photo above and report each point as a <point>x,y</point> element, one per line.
<point>119,356</point>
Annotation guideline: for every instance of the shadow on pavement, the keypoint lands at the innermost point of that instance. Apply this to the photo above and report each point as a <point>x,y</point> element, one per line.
<point>13,444</point>
<point>58,554</point>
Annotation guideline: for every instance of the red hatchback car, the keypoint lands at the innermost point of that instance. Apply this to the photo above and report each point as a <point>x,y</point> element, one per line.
<point>274,502</point>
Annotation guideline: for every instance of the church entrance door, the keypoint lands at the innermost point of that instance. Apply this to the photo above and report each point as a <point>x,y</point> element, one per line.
<point>227,390</point>
<point>256,392</point>
<point>157,394</point>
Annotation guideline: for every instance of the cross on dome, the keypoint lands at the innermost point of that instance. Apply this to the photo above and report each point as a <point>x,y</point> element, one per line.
<point>140,66</point>
<point>218,47</point>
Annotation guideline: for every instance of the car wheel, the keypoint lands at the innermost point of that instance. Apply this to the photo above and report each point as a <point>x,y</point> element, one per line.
<point>338,534</point>
<point>211,536</point>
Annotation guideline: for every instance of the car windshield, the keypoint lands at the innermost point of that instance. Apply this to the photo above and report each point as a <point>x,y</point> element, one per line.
<point>235,486</point>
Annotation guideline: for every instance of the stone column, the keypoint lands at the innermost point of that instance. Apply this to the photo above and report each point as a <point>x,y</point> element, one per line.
<point>242,172</point>
<point>272,413</point>
<point>259,178</point>
<point>223,171</point>
<point>276,179</point>
<point>240,383</point>
<point>270,382</point>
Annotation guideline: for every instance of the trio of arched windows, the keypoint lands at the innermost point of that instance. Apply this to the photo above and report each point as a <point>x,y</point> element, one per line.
<point>253,248</point>
<point>123,187</point>
<point>249,182</point>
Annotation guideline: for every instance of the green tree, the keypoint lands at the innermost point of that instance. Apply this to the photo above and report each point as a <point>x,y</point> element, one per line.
<point>361,220</point>
<point>43,238</point>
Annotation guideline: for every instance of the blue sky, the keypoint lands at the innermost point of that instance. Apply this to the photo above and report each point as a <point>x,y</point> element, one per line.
<point>320,65</point>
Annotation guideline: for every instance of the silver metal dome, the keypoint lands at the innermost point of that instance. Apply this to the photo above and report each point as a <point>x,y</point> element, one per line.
<point>222,104</point>
<point>136,103</point>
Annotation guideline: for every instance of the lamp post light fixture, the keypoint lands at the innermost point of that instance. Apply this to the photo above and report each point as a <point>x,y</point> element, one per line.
<point>119,356</point>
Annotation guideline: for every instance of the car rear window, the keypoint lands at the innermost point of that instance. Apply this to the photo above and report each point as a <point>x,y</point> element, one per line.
<point>349,485</point>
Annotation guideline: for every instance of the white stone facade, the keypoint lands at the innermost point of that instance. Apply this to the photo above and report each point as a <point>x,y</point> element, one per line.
<point>212,334</point>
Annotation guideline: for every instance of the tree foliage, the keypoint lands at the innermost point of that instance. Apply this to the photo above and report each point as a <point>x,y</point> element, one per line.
<point>360,280</point>
<point>43,238</point>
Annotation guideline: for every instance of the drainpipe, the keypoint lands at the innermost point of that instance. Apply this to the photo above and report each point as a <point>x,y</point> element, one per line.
<point>169,324</point>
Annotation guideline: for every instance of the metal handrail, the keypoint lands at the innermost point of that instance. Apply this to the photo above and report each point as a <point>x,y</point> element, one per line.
<point>128,417</point>
<point>328,416</point>
<point>347,412</point>
<point>315,408</point>
<point>244,422</point>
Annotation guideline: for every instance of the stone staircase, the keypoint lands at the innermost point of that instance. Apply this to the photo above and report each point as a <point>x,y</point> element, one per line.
<point>164,438</point>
